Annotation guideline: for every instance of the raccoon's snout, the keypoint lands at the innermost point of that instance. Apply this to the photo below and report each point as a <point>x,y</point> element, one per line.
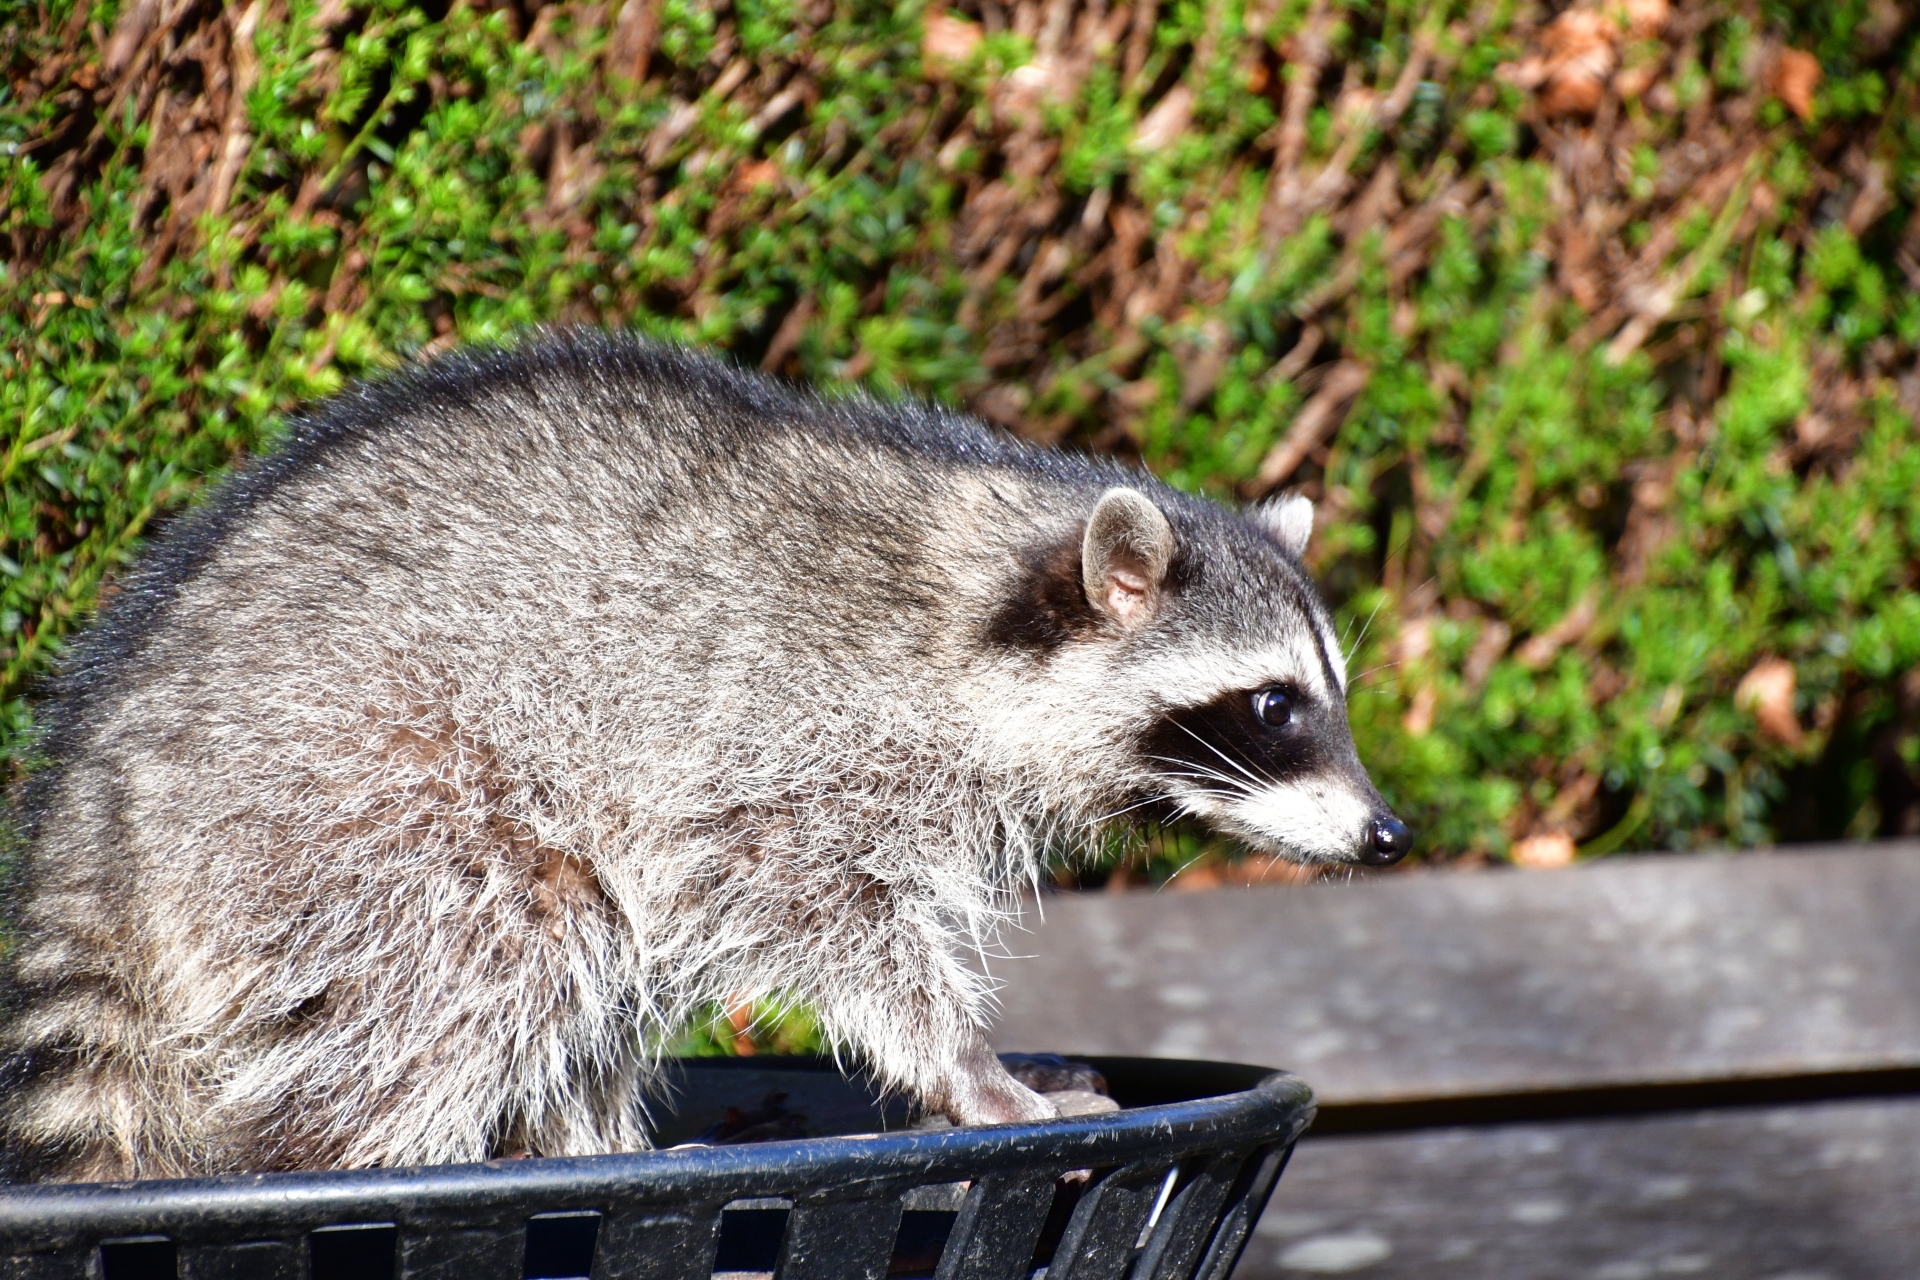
<point>1387,841</point>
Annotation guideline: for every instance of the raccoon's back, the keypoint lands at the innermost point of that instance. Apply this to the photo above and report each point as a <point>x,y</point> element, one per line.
<point>436,635</point>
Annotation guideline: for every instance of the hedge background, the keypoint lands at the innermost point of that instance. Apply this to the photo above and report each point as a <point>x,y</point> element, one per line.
<point>1592,331</point>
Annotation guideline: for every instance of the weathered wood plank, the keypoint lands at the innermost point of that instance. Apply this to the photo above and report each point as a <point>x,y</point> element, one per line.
<point>1426,985</point>
<point>1826,1190</point>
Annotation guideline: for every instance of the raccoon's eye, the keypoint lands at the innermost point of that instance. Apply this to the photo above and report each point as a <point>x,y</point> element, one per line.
<point>1272,707</point>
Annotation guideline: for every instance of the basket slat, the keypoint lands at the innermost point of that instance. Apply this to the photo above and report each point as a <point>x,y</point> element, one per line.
<point>462,1252</point>
<point>656,1242</point>
<point>840,1240</point>
<point>1099,1239</point>
<point>1244,1205</point>
<point>1189,1220</point>
<point>998,1225</point>
<point>246,1260</point>
<point>69,1265</point>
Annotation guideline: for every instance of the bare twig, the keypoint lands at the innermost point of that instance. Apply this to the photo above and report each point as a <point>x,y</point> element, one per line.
<point>1318,419</point>
<point>234,137</point>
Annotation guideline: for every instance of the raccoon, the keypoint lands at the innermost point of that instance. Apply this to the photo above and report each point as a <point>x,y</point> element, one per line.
<point>420,781</point>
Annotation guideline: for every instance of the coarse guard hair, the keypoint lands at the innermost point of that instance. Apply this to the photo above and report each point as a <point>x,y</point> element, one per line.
<point>426,777</point>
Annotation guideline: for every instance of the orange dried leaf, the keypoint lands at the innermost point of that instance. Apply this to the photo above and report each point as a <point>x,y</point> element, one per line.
<point>1578,33</point>
<point>1418,722</point>
<point>1580,58</point>
<point>1634,81</point>
<point>1196,877</point>
<point>1766,692</point>
<point>1796,76</point>
<point>1017,98</point>
<point>755,173</point>
<point>946,42</point>
<point>1544,851</point>
<point>1644,19</point>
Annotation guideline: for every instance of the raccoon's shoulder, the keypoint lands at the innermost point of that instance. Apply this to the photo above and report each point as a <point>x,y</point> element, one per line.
<point>470,402</point>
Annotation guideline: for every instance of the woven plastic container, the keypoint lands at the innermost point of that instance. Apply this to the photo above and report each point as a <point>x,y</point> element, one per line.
<point>1165,1189</point>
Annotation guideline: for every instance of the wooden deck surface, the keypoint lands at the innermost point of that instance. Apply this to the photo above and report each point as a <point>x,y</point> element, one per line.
<point>1575,1075</point>
<point>1827,1190</point>
<point>1432,985</point>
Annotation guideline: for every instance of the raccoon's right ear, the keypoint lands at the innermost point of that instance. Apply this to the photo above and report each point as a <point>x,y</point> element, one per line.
<point>1124,556</point>
<point>1288,521</point>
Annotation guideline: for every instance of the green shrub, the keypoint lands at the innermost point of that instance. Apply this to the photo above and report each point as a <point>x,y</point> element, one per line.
<point>1638,409</point>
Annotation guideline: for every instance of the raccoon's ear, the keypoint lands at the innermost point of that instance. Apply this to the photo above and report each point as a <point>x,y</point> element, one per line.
<point>1124,556</point>
<point>1288,520</point>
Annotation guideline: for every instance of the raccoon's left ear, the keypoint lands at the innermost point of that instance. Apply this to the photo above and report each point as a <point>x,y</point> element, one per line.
<point>1124,556</point>
<point>1288,520</point>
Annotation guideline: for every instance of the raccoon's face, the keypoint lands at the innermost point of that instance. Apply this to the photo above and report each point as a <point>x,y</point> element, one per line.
<point>1220,682</point>
<point>1275,766</point>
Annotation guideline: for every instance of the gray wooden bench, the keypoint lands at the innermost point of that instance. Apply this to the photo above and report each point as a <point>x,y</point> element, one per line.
<point>1646,1067</point>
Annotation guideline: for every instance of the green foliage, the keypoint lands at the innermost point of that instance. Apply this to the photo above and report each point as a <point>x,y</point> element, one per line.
<point>1555,560</point>
<point>762,1026</point>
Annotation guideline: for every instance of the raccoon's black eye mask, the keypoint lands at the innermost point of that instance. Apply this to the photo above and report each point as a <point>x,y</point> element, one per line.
<point>1240,740</point>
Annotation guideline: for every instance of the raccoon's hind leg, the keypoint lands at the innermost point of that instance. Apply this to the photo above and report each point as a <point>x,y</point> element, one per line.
<point>365,957</point>
<point>498,1026</point>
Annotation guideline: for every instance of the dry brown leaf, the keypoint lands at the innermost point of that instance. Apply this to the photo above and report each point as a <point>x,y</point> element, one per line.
<point>634,33</point>
<point>1578,53</point>
<point>1580,60</point>
<point>129,29</point>
<point>1161,127</point>
<point>1643,19</point>
<point>1017,98</point>
<point>1544,852</point>
<point>946,42</point>
<point>1319,418</point>
<point>1540,649</point>
<point>1632,82</point>
<point>1202,358</point>
<point>1873,199</point>
<point>1414,642</point>
<point>1767,693</point>
<point>1485,652</point>
<point>754,173</point>
<point>1197,877</point>
<point>1795,78</point>
<point>1264,869</point>
<point>1418,722</point>
<point>740,1019</point>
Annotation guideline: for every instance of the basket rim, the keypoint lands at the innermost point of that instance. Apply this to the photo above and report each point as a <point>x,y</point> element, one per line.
<point>1276,1109</point>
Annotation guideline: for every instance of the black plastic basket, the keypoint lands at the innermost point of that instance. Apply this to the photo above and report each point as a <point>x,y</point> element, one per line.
<point>1165,1189</point>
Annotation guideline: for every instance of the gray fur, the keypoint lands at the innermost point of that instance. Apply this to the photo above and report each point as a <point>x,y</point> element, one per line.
<point>422,778</point>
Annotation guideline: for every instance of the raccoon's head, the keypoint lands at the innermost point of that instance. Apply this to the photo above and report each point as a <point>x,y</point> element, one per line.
<point>1196,652</point>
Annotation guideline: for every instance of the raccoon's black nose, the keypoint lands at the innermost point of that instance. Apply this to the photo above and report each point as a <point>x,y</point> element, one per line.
<point>1387,842</point>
